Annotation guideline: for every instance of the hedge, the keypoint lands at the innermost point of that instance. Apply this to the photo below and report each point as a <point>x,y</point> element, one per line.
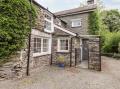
<point>14,25</point>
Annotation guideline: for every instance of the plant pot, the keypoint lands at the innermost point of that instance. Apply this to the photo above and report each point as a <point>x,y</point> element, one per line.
<point>61,65</point>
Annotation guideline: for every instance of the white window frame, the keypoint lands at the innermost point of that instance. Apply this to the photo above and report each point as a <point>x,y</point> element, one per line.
<point>73,20</point>
<point>59,44</point>
<point>43,53</point>
<point>37,44</point>
<point>47,45</point>
<point>52,24</point>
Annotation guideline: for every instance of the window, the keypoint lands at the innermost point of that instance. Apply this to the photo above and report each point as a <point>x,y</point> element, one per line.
<point>76,23</point>
<point>45,45</point>
<point>41,46</point>
<point>63,45</point>
<point>37,45</point>
<point>48,17</point>
<point>49,23</point>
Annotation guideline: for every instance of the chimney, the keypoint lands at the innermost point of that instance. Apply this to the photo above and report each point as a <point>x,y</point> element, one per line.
<point>89,2</point>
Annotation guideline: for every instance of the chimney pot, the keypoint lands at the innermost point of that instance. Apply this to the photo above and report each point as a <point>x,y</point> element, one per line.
<point>89,2</point>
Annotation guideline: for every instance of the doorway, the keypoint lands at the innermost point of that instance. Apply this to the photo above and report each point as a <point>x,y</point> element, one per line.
<point>84,46</point>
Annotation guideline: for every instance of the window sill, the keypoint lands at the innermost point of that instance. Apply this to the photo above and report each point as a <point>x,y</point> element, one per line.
<point>40,54</point>
<point>76,27</point>
<point>62,51</point>
<point>48,31</point>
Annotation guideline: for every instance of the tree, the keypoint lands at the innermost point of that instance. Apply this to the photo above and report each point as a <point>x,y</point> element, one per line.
<point>111,19</point>
<point>14,25</point>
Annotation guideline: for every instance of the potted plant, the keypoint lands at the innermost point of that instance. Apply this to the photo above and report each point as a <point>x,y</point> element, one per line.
<point>61,61</point>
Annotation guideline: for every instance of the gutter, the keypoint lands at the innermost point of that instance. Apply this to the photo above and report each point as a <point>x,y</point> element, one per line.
<point>74,13</point>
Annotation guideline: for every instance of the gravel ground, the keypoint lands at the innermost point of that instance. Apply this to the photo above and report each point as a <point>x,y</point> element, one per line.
<point>70,78</point>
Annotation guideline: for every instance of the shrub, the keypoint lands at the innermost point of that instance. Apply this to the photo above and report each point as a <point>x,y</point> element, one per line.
<point>61,59</point>
<point>111,42</point>
<point>14,25</point>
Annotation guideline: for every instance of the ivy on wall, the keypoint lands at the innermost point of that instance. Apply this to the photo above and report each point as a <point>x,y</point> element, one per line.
<point>14,25</point>
<point>93,22</point>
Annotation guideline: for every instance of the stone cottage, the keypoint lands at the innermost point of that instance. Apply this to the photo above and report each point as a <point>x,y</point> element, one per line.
<point>61,34</point>
<point>64,33</point>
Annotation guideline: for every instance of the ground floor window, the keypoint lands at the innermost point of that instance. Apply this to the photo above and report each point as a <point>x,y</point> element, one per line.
<point>41,46</point>
<point>63,45</point>
<point>45,45</point>
<point>37,45</point>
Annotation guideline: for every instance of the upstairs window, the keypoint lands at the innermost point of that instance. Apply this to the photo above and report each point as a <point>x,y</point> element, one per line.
<point>48,23</point>
<point>48,17</point>
<point>76,22</point>
<point>48,26</point>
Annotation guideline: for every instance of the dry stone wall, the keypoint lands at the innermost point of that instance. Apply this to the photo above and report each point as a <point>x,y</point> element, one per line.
<point>94,54</point>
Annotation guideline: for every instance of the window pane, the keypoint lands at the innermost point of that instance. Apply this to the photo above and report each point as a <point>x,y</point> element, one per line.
<point>47,17</point>
<point>64,44</point>
<point>47,25</point>
<point>37,45</point>
<point>76,23</point>
<point>45,45</point>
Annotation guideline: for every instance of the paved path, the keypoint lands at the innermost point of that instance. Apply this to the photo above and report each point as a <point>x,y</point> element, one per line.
<point>70,78</point>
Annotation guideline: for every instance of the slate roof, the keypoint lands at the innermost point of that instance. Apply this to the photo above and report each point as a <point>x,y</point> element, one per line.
<point>83,9</point>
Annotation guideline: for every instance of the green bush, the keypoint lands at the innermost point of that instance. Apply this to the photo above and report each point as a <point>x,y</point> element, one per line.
<point>111,42</point>
<point>14,25</point>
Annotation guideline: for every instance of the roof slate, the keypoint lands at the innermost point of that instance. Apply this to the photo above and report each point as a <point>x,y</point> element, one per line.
<point>86,8</point>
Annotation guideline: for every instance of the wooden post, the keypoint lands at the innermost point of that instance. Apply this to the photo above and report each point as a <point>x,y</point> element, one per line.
<point>71,52</point>
<point>88,55</point>
<point>29,45</point>
<point>51,58</point>
<point>75,56</point>
<point>100,52</point>
<point>28,60</point>
<point>51,53</point>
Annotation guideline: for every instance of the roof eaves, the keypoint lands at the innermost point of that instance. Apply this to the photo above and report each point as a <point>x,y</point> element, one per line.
<point>43,7</point>
<point>77,10</point>
<point>80,12</point>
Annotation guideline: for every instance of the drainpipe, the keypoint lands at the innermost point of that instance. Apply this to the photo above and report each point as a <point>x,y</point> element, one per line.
<point>29,45</point>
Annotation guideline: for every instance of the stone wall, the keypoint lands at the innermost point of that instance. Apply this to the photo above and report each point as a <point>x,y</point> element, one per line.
<point>41,61</point>
<point>56,55</point>
<point>75,50</point>
<point>81,30</point>
<point>66,55</point>
<point>94,54</point>
<point>39,24</point>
